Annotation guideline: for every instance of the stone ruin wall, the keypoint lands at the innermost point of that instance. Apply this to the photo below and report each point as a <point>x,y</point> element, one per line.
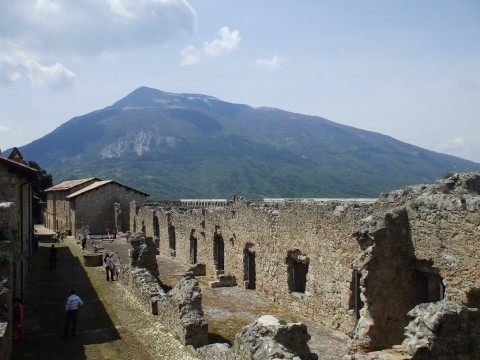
<point>423,230</point>
<point>432,229</point>
<point>319,230</point>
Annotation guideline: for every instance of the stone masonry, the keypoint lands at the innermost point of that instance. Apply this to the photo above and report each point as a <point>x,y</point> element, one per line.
<point>180,308</point>
<point>355,265</point>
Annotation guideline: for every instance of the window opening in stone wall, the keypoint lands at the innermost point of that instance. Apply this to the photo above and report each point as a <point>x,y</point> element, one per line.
<point>156,227</point>
<point>249,267</point>
<point>219,252</point>
<point>134,225</point>
<point>193,248</point>
<point>356,302</point>
<point>171,240</point>
<point>430,287</point>
<point>297,271</point>
<point>473,298</point>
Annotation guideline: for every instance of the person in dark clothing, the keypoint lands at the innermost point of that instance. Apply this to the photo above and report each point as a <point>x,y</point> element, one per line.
<point>17,319</point>
<point>84,242</point>
<point>53,257</point>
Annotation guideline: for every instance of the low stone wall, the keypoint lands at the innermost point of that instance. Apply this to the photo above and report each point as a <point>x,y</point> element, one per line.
<point>180,309</point>
<point>264,339</point>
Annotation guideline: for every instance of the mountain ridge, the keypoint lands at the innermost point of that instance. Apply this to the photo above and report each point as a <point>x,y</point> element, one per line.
<point>192,145</point>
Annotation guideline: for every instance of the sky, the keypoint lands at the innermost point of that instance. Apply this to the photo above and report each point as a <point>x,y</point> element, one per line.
<point>405,68</point>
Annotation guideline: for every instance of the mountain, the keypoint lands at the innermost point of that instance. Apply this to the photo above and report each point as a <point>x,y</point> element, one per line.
<point>197,146</point>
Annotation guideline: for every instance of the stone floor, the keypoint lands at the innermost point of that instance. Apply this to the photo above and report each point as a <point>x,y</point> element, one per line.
<point>229,309</point>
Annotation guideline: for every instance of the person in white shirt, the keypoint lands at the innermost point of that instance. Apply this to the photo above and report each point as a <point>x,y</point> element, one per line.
<point>71,307</point>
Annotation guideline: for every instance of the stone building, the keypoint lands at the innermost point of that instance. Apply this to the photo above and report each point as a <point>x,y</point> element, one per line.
<point>98,204</point>
<point>15,238</point>
<point>58,213</point>
<point>355,265</point>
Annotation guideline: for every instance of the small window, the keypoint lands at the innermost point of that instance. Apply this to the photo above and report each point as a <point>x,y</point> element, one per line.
<point>297,271</point>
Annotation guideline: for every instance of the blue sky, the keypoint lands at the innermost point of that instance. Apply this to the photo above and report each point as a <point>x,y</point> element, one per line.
<point>409,69</point>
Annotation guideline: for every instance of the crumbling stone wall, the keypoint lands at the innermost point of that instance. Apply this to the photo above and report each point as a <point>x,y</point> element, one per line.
<point>409,246</point>
<point>443,330</point>
<point>430,255</point>
<point>319,230</point>
<point>387,278</point>
<point>180,308</point>
<point>264,339</point>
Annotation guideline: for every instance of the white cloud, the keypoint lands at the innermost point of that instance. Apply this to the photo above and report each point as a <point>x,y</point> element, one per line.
<point>190,55</point>
<point>269,64</point>
<point>15,62</point>
<point>56,77</point>
<point>225,41</point>
<point>5,129</point>
<point>453,144</point>
<point>43,31</point>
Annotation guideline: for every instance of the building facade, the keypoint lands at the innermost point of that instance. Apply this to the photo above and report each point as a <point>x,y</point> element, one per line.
<point>58,212</point>
<point>16,231</point>
<point>97,204</point>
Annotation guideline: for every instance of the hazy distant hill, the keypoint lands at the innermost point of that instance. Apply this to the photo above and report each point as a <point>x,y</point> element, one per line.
<point>196,146</point>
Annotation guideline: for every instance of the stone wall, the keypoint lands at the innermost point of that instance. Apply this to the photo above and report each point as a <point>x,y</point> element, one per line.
<point>15,246</point>
<point>264,339</point>
<point>278,233</point>
<point>180,308</point>
<point>349,264</point>
<point>421,250</point>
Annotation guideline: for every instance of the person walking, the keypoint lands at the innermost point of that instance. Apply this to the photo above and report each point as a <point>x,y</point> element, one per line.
<point>84,242</point>
<point>112,268</point>
<point>107,266</point>
<point>71,307</point>
<point>114,232</point>
<point>53,257</point>
<point>17,319</point>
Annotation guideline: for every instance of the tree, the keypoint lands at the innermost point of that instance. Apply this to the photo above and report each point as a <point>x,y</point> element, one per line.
<point>42,181</point>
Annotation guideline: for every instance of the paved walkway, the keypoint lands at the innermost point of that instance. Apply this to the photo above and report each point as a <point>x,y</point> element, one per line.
<point>112,324</point>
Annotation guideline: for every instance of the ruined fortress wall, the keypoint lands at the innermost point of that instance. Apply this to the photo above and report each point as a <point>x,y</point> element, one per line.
<point>444,230</point>
<point>420,245</point>
<point>317,232</point>
<point>415,245</point>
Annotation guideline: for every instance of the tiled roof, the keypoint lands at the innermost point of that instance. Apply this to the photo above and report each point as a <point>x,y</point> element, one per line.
<point>67,185</point>
<point>17,166</point>
<point>98,184</point>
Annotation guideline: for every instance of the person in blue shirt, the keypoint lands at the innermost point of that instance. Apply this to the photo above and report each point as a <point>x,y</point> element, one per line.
<point>71,307</point>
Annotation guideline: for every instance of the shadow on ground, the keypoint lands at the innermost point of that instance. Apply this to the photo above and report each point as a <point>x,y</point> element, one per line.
<point>44,304</point>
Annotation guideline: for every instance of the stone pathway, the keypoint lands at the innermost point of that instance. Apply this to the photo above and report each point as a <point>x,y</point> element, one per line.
<point>112,324</point>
